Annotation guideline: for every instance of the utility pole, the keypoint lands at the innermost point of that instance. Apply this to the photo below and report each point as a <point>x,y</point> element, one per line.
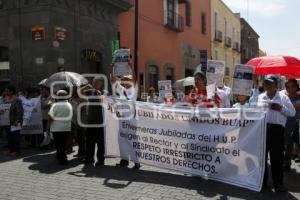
<point>136,38</point>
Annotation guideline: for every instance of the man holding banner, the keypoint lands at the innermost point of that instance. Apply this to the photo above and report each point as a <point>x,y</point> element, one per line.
<point>279,108</point>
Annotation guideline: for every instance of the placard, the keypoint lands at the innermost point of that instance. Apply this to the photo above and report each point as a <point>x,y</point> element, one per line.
<point>243,80</point>
<point>121,60</point>
<point>165,89</point>
<point>215,72</point>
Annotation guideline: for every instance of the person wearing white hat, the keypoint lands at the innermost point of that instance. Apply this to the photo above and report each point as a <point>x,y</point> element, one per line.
<point>60,117</point>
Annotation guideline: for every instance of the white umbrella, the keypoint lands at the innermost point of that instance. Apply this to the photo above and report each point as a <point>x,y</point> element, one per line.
<point>189,81</point>
<point>62,80</point>
<point>42,83</point>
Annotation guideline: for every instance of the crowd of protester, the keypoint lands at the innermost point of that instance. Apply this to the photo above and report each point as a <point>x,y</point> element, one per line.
<point>60,117</point>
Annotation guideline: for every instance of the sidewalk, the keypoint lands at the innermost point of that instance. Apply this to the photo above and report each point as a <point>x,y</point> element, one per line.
<point>35,175</point>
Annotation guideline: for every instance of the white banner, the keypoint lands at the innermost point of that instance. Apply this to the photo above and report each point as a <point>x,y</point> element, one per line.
<point>242,80</point>
<point>32,117</point>
<point>225,147</point>
<point>4,114</point>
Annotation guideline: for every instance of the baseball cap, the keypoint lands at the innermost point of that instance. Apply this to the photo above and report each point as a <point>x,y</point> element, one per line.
<point>61,93</point>
<point>129,76</point>
<point>271,78</point>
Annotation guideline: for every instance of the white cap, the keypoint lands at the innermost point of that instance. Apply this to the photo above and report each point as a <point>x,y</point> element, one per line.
<point>129,76</point>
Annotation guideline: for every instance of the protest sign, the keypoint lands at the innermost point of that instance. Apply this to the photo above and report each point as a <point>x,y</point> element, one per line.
<point>121,62</point>
<point>226,147</point>
<point>165,89</point>
<point>32,117</point>
<point>4,114</point>
<point>215,72</point>
<point>211,91</point>
<point>242,80</point>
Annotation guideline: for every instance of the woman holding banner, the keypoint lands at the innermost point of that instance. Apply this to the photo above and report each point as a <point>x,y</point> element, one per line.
<point>199,95</point>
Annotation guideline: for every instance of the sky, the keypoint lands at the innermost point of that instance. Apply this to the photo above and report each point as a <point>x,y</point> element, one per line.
<point>276,21</point>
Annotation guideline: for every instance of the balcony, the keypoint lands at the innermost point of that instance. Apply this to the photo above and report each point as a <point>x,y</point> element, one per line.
<point>174,21</point>
<point>218,36</point>
<point>228,42</point>
<point>236,46</point>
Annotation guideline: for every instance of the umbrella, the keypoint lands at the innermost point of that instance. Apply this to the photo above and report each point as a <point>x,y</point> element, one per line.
<point>63,80</point>
<point>42,83</point>
<point>188,81</point>
<point>280,65</point>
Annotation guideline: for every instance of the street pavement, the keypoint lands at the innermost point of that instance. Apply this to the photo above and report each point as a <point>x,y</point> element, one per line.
<point>35,175</point>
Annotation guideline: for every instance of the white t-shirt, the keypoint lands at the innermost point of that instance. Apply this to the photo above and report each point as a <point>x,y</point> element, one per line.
<point>61,114</point>
<point>224,97</point>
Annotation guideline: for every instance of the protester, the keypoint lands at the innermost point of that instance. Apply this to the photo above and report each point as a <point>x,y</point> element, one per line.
<point>77,128</point>
<point>198,95</point>
<point>279,108</point>
<point>60,116</point>
<point>242,102</point>
<point>46,102</point>
<point>30,93</point>
<point>5,99</point>
<point>256,91</point>
<point>226,97</point>
<point>125,88</point>
<point>292,124</point>
<point>16,119</point>
<point>95,133</point>
<point>45,106</point>
<point>152,97</point>
<point>171,100</point>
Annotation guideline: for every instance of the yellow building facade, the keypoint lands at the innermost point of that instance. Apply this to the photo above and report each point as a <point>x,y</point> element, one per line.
<point>226,37</point>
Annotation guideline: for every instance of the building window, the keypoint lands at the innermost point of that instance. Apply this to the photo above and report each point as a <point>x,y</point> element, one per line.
<point>153,76</point>
<point>189,72</point>
<point>188,14</point>
<point>227,71</point>
<point>203,23</point>
<point>225,28</point>
<point>171,7</point>
<point>3,54</point>
<point>216,55</point>
<point>233,34</point>
<point>216,22</point>
<point>170,74</point>
<point>172,19</point>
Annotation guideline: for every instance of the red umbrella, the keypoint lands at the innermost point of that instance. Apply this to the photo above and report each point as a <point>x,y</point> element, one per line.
<point>280,65</point>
